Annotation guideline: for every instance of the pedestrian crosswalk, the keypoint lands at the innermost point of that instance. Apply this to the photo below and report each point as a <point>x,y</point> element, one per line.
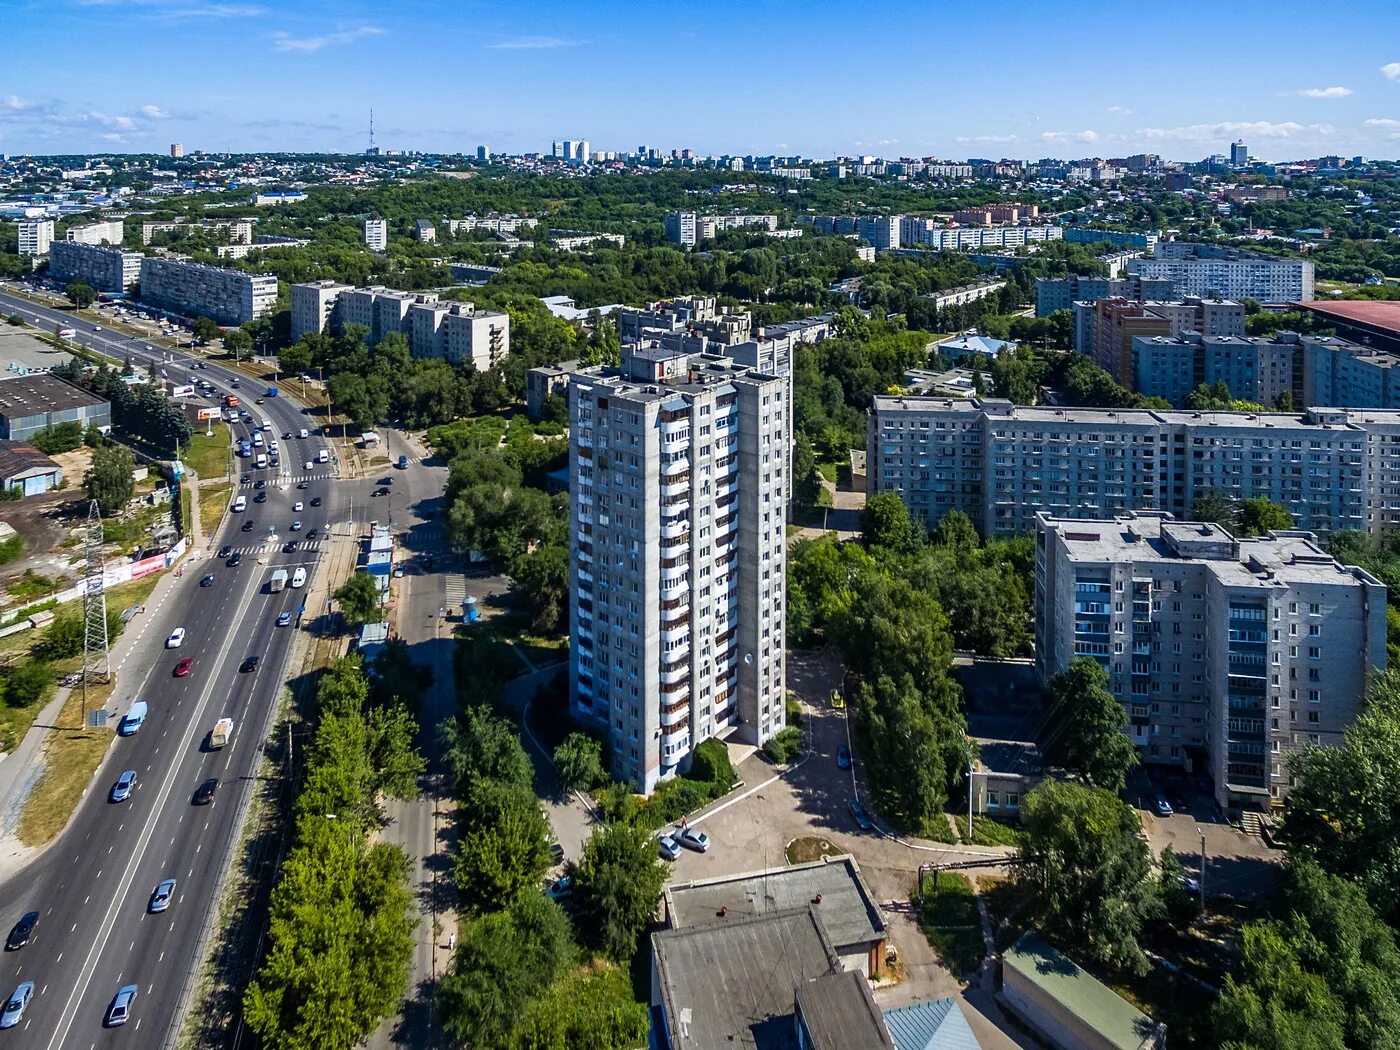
<point>290,480</point>
<point>303,547</point>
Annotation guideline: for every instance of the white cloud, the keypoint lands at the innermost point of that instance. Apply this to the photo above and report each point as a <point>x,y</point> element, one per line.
<point>1327,92</point>
<point>967,140</point>
<point>16,104</point>
<point>1119,111</point>
<point>532,43</point>
<point>1259,129</point>
<point>1391,71</point>
<point>1069,136</point>
<point>305,45</point>
<point>156,113</point>
<point>1389,124</point>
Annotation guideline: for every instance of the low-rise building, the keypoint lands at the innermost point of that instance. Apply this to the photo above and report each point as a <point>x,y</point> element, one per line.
<point>24,467</point>
<point>424,231</point>
<point>37,401</point>
<point>967,293</point>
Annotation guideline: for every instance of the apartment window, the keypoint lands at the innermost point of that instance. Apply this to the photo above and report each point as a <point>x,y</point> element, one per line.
<point>1314,696</point>
<point>1314,609</point>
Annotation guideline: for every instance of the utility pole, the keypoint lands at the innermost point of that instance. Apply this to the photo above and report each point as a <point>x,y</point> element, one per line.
<point>1201,880</point>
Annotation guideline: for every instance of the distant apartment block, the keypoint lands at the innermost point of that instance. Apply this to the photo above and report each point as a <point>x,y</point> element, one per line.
<point>677,509</point>
<point>238,231</point>
<point>35,236</point>
<point>229,297</point>
<point>492,224</point>
<point>881,232</point>
<point>691,316</point>
<point>996,214</point>
<point>273,198</point>
<point>934,235</point>
<point>687,228</point>
<point>1228,655</point>
<point>177,150</point>
<point>1060,293</point>
<point>1251,194</point>
<point>577,240</point>
<point>110,232</point>
<point>680,228</point>
<point>1001,463</point>
<point>1105,328</point>
<point>1117,238</point>
<point>103,269</point>
<point>376,233</point>
<point>1342,373</point>
<point>1230,273</point>
<point>459,333</point>
<point>314,307</point>
<point>967,293</point>
<point>261,242</point>
<point>424,231</point>
<point>1254,368</point>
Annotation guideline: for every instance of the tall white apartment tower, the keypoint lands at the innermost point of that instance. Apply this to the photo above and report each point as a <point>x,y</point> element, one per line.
<point>680,228</point>
<point>676,522</point>
<point>35,236</point>
<point>376,233</point>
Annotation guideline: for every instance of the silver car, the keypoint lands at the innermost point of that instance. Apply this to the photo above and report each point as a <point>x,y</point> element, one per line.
<point>14,1006</point>
<point>161,898</point>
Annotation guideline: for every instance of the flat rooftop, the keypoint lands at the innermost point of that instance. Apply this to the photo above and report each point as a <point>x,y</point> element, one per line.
<point>19,347</point>
<point>38,393</point>
<point>1379,313</point>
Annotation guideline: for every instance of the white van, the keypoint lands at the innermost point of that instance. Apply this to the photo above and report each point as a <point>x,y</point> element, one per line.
<point>323,456</point>
<point>240,504</point>
<point>261,462</point>
<point>299,577</point>
<point>258,440</point>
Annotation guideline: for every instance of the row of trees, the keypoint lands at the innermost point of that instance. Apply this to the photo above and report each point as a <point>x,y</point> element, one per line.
<point>526,972</point>
<point>341,916</point>
<point>140,411</point>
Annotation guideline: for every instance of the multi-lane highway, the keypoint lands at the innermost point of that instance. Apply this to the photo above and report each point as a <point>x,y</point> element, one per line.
<point>92,886</point>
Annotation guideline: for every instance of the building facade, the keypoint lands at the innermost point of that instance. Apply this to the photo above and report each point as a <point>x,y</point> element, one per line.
<point>459,333</point>
<point>1213,271</point>
<point>228,297</point>
<point>1227,654</point>
<point>1001,463</point>
<point>35,236</point>
<point>1060,293</point>
<point>677,511</point>
<point>35,402</point>
<point>104,269</point>
<point>315,307</point>
<point>376,233</point>
<point>110,232</point>
<point>1254,368</point>
<point>1105,329</point>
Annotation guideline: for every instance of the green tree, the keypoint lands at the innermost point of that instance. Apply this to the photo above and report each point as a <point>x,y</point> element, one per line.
<point>394,757</point>
<point>480,745</point>
<point>80,294</point>
<point>359,599</point>
<point>237,342</point>
<point>540,580</point>
<point>109,479</point>
<point>1211,506</point>
<point>1257,516</point>
<point>26,683</point>
<point>1082,729</point>
<point>1085,870</point>
<point>504,844</point>
<point>886,523</point>
<point>908,752</point>
<point>578,761</point>
<point>205,330</point>
<point>294,359</point>
<point>587,1009</point>
<point>1275,1004</point>
<point>1342,808</point>
<point>1179,902</point>
<point>618,881</point>
<point>505,960</point>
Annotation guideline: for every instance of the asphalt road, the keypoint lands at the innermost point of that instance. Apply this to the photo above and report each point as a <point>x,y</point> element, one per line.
<point>92,886</point>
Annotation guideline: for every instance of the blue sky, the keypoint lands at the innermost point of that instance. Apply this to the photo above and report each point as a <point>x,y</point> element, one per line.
<point>1018,78</point>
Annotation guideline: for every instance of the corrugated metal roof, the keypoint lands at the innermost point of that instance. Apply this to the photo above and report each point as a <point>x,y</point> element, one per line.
<point>934,1024</point>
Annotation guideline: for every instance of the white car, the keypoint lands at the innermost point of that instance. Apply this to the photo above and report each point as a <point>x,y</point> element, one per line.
<point>176,639</point>
<point>309,465</point>
<point>297,507</point>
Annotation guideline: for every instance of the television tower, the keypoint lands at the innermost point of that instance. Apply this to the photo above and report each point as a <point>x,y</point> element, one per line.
<point>371,133</point>
<point>97,665</point>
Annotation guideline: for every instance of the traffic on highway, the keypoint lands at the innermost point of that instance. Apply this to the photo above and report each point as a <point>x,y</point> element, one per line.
<point>106,926</point>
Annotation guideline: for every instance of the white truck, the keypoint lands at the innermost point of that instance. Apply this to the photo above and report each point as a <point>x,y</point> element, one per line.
<point>278,581</point>
<point>219,735</point>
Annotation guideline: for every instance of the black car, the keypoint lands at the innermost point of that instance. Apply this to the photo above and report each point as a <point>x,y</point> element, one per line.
<point>385,481</point>
<point>260,484</point>
<point>313,534</point>
<point>245,479</point>
<point>380,492</point>
<point>301,484</point>
<point>261,497</point>
<point>250,664</point>
<point>234,559</point>
<point>315,501</point>
<point>289,546</point>
<point>225,551</point>
<point>207,581</point>
<point>247,526</point>
<point>24,929</point>
<point>204,794</point>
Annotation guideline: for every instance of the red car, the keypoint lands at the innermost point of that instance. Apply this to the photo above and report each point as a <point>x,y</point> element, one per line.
<point>183,667</point>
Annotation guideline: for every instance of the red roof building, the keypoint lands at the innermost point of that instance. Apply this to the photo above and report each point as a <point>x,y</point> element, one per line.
<point>1374,323</point>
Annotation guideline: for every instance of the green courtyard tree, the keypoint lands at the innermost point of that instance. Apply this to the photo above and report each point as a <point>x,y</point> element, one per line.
<point>80,294</point>
<point>359,599</point>
<point>885,522</point>
<point>504,844</point>
<point>205,329</point>
<point>1083,726</point>
<point>1257,516</point>
<point>109,479</point>
<point>540,579</point>
<point>578,761</point>
<point>294,359</point>
<point>1275,1004</point>
<point>479,745</point>
<point>238,342</point>
<point>1087,873</point>
<point>619,880</point>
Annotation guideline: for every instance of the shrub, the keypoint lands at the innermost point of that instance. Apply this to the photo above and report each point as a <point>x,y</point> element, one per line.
<point>710,764</point>
<point>785,745</point>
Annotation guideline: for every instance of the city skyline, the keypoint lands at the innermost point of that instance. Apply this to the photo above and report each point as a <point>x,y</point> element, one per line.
<point>244,76</point>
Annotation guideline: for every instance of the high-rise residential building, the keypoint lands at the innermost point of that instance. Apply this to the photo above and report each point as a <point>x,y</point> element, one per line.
<point>315,307</point>
<point>238,231</point>
<point>101,268</point>
<point>177,149</point>
<point>879,231</point>
<point>676,524</point>
<point>1116,238</point>
<point>556,149</point>
<point>1254,368</point>
<point>916,232</point>
<point>376,233</point>
<point>696,317</point>
<point>483,154</point>
<point>583,151</point>
<point>1342,373</point>
<point>1061,293</point>
<point>458,332</point>
<point>1239,154</point>
<point>109,232</point>
<point>680,228</point>
<point>570,149</point>
<point>229,297</point>
<point>35,236</point>
<point>1000,463</point>
<point>1228,655</point>
<point>1105,328</point>
<point>1217,272</point>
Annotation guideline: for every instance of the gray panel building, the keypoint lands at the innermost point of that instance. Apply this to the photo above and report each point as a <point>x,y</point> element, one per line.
<point>228,297</point>
<point>105,269</point>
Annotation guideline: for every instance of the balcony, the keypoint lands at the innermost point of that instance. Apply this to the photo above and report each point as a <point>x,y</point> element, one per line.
<point>676,505</point>
<point>674,611</point>
<point>677,736</point>
<point>673,587</point>
<point>678,485</point>
<point>675,530</point>
<point>670,674</point>
<point>677,547</point>
<point>679,465</point>
<point>675,632</point>
<point>584,576</point>
<point>674,719</point>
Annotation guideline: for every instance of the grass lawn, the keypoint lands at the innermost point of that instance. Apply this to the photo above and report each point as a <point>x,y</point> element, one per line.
<point>989,832</point>
<point>208,456</point>
<point>71,756</point>
<point>938,830</point>
<point>827,471</point>
<point>213,501</point>
<point>807,849</point>
<point>950,921</point>
<point>32,585</point>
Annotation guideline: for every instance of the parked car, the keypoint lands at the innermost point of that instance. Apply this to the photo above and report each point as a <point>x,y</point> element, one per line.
<point>837,700</point>
<point>1162,806</point>
<point>560,888</point>
<point>556,853</point>
<point>843,757</point>
<point>862,817</point>
<point>692,839</point>
<point>22,931</point>
<point>204,794</point>
<point>669,848</point>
